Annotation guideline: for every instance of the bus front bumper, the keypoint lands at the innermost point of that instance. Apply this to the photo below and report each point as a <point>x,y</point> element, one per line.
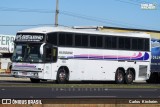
<point>25,74</point>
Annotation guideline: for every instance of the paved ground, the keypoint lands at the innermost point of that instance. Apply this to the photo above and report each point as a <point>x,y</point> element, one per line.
<point>27,79</point>
<point>15,79</point>
<point>39,92</point>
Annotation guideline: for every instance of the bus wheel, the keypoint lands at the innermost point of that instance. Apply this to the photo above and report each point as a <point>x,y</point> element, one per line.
<point>129,77</point>
<point>35,80</point>
<point>119,77</point>
<point>62,76</point>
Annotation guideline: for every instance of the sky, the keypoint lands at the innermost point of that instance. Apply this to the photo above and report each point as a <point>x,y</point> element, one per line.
<point>17,15</point>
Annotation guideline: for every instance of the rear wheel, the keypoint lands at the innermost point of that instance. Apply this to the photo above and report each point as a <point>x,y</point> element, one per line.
<point>129,77</point>
<point>62,76</point>
<point>119,77</point>
<point>35,80</point>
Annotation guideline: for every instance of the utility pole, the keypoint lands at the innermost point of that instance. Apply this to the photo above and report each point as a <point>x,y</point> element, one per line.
<point>56,14</point>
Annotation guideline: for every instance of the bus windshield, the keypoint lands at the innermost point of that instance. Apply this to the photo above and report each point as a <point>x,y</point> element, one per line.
<point>27,53</point>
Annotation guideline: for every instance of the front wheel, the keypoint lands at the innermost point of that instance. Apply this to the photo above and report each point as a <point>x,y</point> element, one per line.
<point>62,76</point>
<point>119,77</point>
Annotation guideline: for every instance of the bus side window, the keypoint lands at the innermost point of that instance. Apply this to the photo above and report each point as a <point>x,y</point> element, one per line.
<point>54,54</point>
<point>48,55</point>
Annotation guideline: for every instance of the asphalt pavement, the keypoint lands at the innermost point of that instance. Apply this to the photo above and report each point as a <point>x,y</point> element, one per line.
<point>54,92</point>
<point>39,92</point>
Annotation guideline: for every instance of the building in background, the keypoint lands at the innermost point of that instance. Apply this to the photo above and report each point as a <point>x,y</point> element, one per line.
<point>6,51</point>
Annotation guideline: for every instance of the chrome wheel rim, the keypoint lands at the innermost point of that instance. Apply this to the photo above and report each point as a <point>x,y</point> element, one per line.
<point>129,76</point>
<point>62,76</point>
<point>120,77</point>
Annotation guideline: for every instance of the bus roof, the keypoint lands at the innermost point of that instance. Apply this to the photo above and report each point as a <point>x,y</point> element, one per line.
<point>45,30</point>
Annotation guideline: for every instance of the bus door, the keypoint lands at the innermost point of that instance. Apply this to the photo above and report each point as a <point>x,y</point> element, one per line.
<point>50,59</point>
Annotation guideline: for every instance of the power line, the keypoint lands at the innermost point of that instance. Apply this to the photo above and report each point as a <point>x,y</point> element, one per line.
<point>26,10</point>
<point>101,20</point>
<point>63,12</point>
<point>127,2</point>
<point>142,2</point>
<point>7,25</point>
<point>80,16</point>
<point>52,11</point>
<point>95,19</point>
<point>136,2</point>
<point>139,1</point>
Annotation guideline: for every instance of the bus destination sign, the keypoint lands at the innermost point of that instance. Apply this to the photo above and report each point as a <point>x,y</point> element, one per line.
<point>29,38</point>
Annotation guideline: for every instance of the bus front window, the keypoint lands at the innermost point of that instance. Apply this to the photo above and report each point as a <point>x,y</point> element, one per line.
<point>27,53</point>
<point>19,53</point>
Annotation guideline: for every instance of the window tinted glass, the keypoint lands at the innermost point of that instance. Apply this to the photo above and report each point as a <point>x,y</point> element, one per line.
<point>99,41</point>
<point>69,39</point>
<point>54,54</point>
<point>114,42</point>
<point>134,44</point>
<point>147,45</point>
<point>52,38</point>
<point>140,44</point>
<point>92,41</point>
<point>77,40</point>
<point>62,39</point>
<point>121,43</point>
<point>85,40</point>
<point>48,54</point>
<point>108,42</point>
<point>127,44</point>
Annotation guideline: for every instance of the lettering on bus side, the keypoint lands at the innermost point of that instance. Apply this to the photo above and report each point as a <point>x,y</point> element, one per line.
<point>65,52</point>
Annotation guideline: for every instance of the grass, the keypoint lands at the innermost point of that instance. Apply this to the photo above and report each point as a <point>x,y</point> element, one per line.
<point>78,85</point>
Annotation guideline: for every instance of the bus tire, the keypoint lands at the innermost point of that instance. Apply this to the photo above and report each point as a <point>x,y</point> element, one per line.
<point>62,76</point>
<point>119,77</point>
<point>129,77</point>
<point>33,80</point>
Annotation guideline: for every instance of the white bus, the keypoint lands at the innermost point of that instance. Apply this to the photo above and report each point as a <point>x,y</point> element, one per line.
<point>67,54</point>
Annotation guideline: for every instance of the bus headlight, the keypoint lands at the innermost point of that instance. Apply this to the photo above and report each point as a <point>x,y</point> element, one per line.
<point>15,73</point>
<point>35,74</point>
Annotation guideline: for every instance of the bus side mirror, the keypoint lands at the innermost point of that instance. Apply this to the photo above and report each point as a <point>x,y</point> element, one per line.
<point>42,48</point>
